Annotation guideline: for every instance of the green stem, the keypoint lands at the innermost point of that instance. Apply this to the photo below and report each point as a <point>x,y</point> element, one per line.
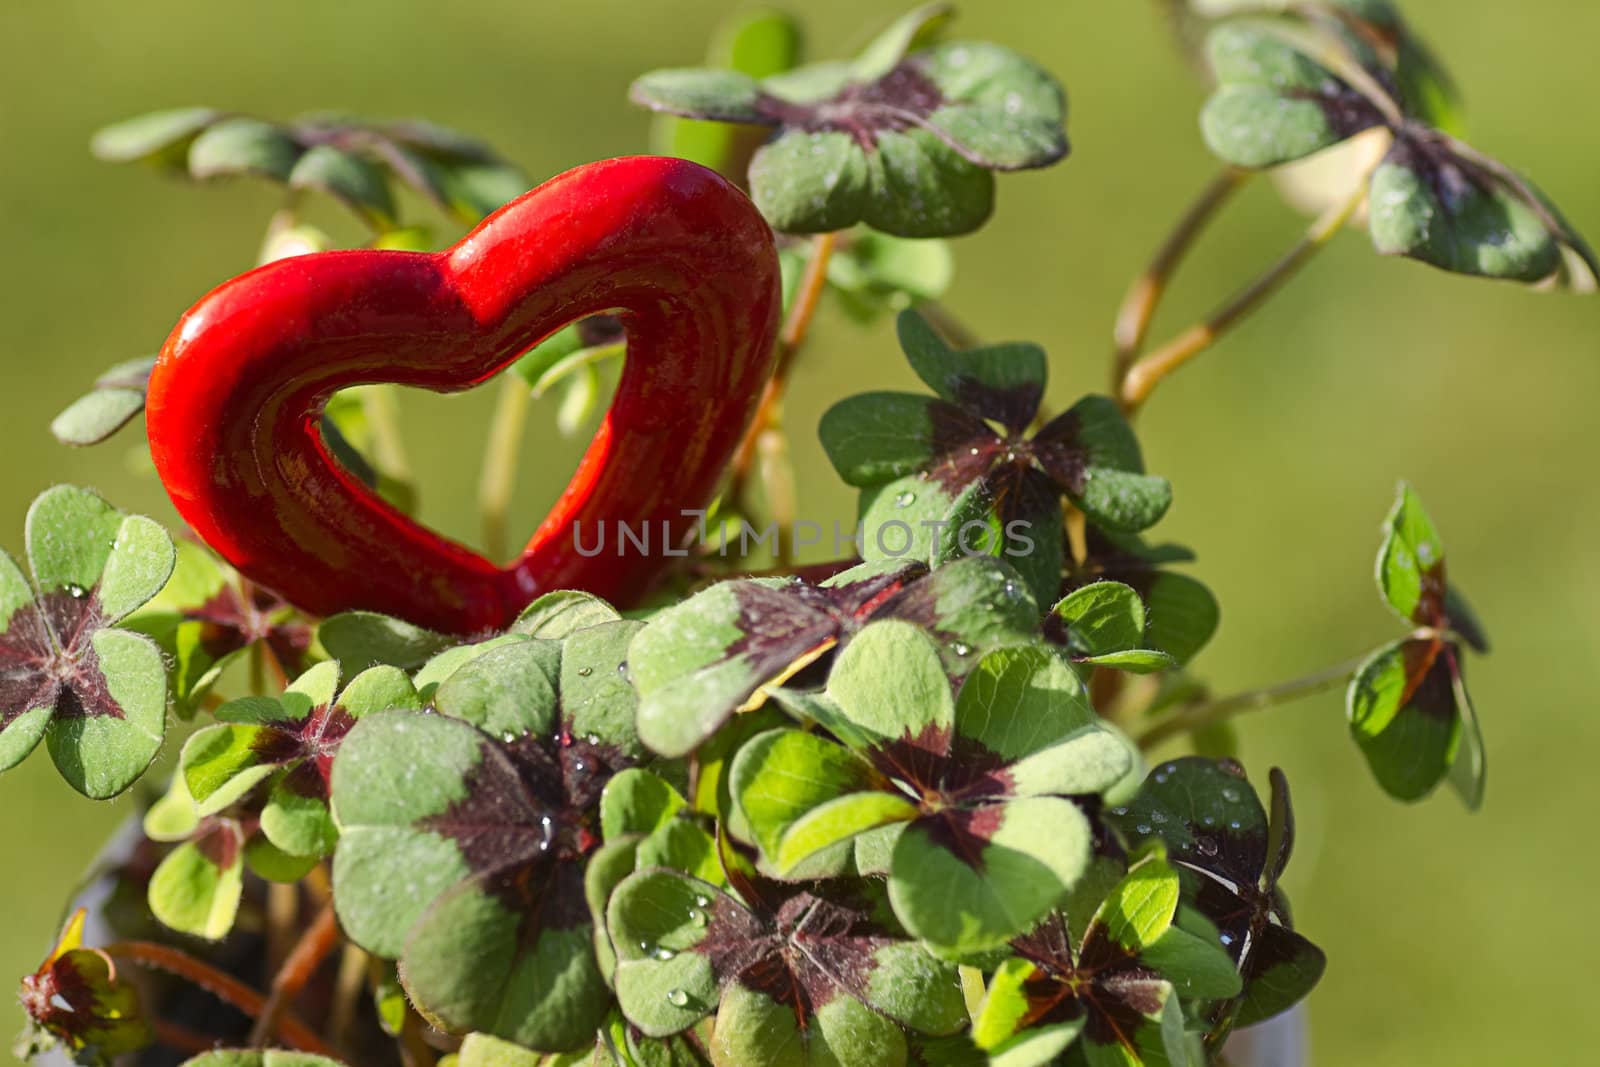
<point>1209,713</point>
<point>1144,295</point>
<point>1143,377</point>
<point>382,408</point>
<point>499,478</point>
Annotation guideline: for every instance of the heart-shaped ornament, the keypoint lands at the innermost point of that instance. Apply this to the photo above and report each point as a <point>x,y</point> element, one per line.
<point>236,397</point>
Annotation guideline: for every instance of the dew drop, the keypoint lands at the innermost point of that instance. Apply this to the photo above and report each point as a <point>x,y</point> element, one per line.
<point>1231,796</point>
<point>697,917</point>
<point>1142,828</point>
<point>678,998</point>
<point>905,500</point>
<point>663,953</point>
<point>584,672</point>
<point>76,591</point>
<point>579,765</point>
<point>1011,589</point>
<point>1225,938</point>
<point>702,902</point>
<point>1158,816</point>
<point>1235,824</point>
<point>1209,820</point>
<point>1205,846</point>
<point>960,649</point>
<point>547,832</point>
<point>591,739</point>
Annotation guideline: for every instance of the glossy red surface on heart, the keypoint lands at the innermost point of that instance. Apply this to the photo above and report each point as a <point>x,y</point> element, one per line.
<point>236,397</point>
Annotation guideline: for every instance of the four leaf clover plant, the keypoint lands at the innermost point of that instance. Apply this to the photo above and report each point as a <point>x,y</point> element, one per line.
<point>900,808</point>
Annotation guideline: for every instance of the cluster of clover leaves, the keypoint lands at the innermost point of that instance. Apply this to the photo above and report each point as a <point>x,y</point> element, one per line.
<point>873,819</point>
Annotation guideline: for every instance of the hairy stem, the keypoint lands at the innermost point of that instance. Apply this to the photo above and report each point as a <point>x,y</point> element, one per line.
<point>1143,377</point>
<point>320,939</point>
<point>1144,295</point>
<point>498,480</point>
<point>223,986</point>
<point>1209,713</point>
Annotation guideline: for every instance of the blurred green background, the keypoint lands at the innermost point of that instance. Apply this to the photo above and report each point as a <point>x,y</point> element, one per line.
<point>1452,939</point>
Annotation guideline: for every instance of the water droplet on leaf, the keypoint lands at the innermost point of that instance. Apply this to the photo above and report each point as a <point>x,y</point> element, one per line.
<point>678,998</point>
<point>905,500</point>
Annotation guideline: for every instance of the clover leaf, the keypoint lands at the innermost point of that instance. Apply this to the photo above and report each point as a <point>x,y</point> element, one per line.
<point>472,874</point>
<point>1408,704</point>
<point>797,974</point>
<point>1230,855</point>
<point>958,474</point>
<point>116,398</point>
<point>1282,97</point>
<point>76,1000</point>
<point>251,1057</point>
<point>208,615</point>
<point>904,139</point>
<point>288,744</point>
<point>353,161</point>
<point>95,694</point>
<point>1118,986</point>
<point>1181,614</point>
<point>975,785</point>
<point>1104,624</point>
<point>698,662</point>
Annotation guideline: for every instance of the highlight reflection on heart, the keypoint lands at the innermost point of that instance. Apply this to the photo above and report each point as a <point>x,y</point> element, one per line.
<point>236,396</point>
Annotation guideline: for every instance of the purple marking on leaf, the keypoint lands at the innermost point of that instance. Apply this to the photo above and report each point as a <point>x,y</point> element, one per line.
<point>963,832</point>
<point>230,622</point>
<point>530,813</point>
<point>220,841</point>
<point>798,946</point>
<point>310,744</point>
<point>1105,985</point>
<point>1058,451</point>
<point>1346,111</point>
<point>1429,686</point>
<point>1430,609</point>
<point>964,447</point>
<point>1012,406</point>
<point>47,659</point>
<point>900,100</point>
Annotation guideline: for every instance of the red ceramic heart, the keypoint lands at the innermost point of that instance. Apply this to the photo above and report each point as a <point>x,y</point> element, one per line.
<point>237,394</point>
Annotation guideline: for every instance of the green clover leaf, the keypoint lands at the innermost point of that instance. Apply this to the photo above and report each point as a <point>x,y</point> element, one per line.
<point>958,475</point>
<point>353,161</point>
<point>1283,95</point>
<point>973,786</point>
<point>1117,990</point>
<point>1408,704</point>
<point>1229,855</point>
<point>96,694</point>
<point>773,962</point>
<point>905,139</point>
<point>288,744</point>
<point>208,616</point>
<point>698,662</point>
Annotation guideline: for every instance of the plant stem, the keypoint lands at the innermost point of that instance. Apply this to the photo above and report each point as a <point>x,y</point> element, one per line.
<point>1209,713</point>
<point>382,410</point>
<point>1143,377</point>
<point>1144,295</point>
<point>320,938</point>
<point>791,338</point>
<point>499,478</point>
<point>223,986</point>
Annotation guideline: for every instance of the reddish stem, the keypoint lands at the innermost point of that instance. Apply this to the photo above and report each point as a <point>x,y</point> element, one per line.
<point>320,938</point>
<point>223,986</point>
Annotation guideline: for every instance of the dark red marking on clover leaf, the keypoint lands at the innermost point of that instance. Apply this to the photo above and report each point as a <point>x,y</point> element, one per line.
<point>902,99</point>
<point>799,945</point>
<point>1230,873</point>
<point>237,618</point>
<point>236,396</point>
<point>1105,985</point>
<point>528,821</point>
<point>47,659</point>
<point>310,744</point>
